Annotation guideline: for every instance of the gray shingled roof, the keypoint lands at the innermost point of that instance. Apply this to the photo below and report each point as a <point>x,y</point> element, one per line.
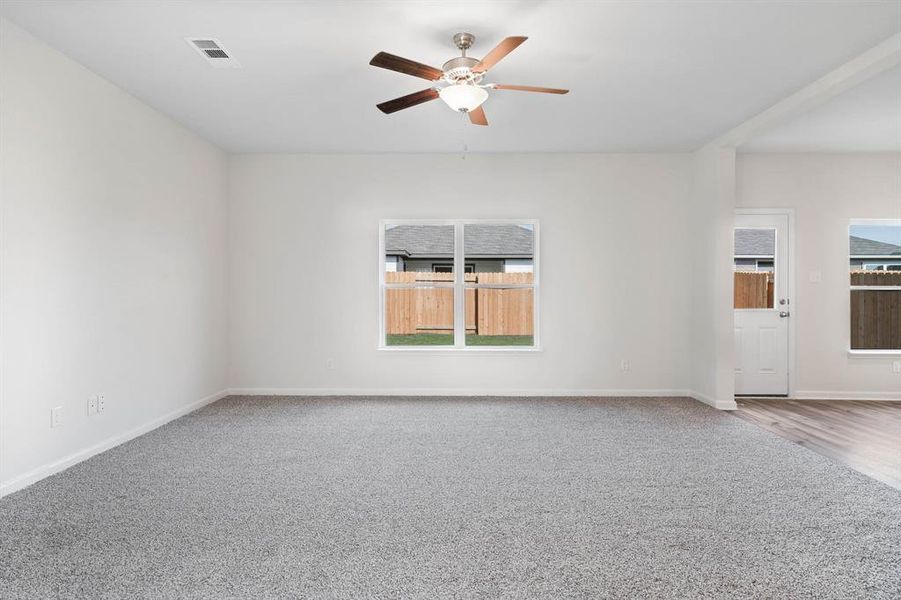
<point>755,242</point>
<point>480,241</point>
<point>864,247</point>
<point>761,242</point>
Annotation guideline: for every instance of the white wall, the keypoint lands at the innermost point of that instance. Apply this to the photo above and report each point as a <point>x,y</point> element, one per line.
<point>614,270</point>
<point>710,230</point>
<point>113,231</point>
<point>826,191</point>
<point>518,265</point>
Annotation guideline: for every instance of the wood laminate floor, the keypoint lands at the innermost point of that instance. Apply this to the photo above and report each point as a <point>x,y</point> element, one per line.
<point>865,435</point>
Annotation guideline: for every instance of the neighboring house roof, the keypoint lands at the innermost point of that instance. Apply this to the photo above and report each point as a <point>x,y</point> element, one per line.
<point>755,242</point>
<point>762,242</point>
<point>864,247</point>
<point>480,241</point>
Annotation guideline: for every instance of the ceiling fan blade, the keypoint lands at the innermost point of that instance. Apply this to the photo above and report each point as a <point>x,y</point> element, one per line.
<point>477,117</point>
<point>507,46</point>
<point>529,88</point>
<point>407,101</point>
<point>405,65</point>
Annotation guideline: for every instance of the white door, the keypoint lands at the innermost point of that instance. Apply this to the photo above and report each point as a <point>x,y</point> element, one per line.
<point>761,303</point>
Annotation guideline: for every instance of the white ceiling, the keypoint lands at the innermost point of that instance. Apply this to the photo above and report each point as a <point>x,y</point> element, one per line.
<point>645,76</point>
<point>866,118</point>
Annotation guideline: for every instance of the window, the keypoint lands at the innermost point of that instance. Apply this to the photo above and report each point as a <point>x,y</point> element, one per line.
<point>754,277</point>
<point>874,249</point>
<point>428,300</point>
<point>449,268</point>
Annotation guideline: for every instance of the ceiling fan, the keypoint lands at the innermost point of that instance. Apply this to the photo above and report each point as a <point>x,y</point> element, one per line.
<point>463,75</point>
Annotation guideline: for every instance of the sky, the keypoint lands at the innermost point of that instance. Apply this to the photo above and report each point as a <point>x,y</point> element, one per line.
<point>881,233</point>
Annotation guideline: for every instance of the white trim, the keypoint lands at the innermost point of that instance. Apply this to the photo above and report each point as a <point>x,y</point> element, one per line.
<point>717,404</point>
<point>381,338</point>
<point>531,392</point>
<point>834,395</point>
<point>466,349</point>
<point>35,475</point>
<point>862,353</point>
<point>459,293</point>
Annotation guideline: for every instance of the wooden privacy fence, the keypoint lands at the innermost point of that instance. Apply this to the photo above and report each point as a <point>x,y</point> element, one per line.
<point>876,314</point>
<point>752,290</point>
<point>489,311</point>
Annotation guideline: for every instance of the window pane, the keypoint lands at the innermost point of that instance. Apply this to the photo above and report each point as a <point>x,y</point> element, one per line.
<point>876,319</point>
<point>877,250</point>
<point>504,248</point>
<point>500,316</point>
<point>754,259</point>
<point>875,260</point>
<point>419,248</point>
<point>419,316</point>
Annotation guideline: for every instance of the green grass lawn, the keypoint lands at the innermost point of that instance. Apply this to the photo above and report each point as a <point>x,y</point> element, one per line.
<point>444,339</point>
<point>421,339</point>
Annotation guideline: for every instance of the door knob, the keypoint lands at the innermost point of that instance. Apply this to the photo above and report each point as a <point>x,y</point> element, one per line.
<point>784,313</point>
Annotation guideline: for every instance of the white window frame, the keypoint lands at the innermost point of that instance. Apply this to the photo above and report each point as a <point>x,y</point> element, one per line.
<point>861,351</point>
<point>459,285</point>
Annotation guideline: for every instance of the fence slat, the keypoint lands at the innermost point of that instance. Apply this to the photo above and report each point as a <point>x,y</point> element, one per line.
<point>876,314</point>
<point>489,311</point>
<point>752,290</point>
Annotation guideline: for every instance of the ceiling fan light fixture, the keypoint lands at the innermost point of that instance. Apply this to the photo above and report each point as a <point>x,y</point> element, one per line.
<point>462,74</point>
<point>463,97</point>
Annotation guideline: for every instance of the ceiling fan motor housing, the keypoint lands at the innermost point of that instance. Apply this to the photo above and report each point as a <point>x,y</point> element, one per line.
<point>459,70</point>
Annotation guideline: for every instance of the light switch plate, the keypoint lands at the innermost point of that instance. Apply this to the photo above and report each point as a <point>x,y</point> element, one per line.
<point>815,276</point>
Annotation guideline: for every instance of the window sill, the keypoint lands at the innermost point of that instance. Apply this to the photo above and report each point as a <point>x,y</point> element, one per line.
<point>453,350</point>
<point>874,353</point>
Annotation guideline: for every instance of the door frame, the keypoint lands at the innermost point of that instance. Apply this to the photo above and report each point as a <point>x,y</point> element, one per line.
<point>792,306</point>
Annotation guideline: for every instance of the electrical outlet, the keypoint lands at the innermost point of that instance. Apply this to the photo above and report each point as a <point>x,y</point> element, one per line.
<point>624,365</point>
<point>330,364</point>
<point>896,366</point>
<point>92,405</point>
<point>101,403</point>
<point>56,416</point>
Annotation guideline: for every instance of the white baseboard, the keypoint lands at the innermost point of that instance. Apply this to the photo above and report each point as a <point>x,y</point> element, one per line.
<point>531,392</point>
<point>717,404</point>
<point>826,395</point>
<point>22,481</point>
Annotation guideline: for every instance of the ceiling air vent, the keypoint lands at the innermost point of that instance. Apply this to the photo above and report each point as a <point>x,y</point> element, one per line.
<point>213,52</point>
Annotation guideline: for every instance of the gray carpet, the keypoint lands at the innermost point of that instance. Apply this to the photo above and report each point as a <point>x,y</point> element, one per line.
<point>453,498</point>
